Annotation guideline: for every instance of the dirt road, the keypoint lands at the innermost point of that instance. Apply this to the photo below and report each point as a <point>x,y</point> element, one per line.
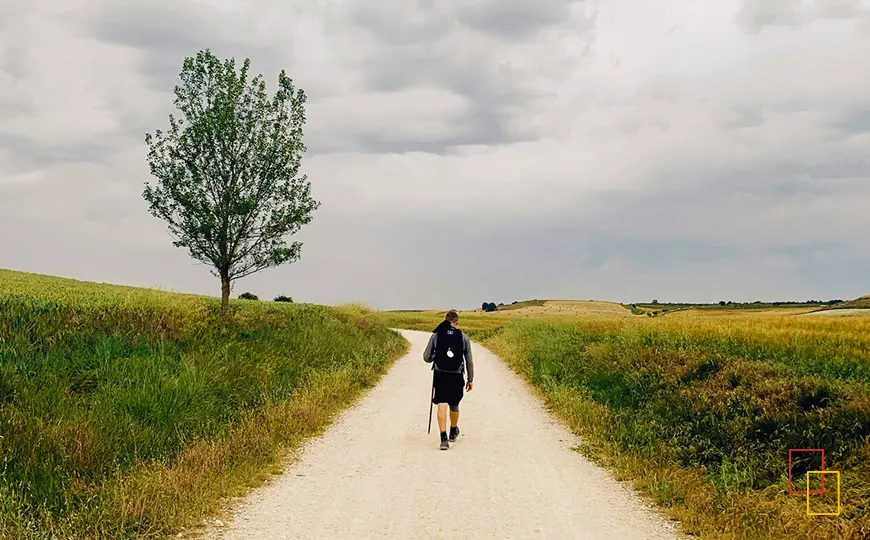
<point>376,474</point>
<point>861,312</point>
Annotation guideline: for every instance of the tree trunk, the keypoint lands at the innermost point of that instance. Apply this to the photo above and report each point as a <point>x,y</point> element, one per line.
<point>225,295</point>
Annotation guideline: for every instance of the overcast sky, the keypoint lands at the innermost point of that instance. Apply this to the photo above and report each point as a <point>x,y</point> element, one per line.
<point>468,150</point>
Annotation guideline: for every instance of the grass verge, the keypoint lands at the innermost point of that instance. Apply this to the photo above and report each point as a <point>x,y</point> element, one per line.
<point>131,413</point>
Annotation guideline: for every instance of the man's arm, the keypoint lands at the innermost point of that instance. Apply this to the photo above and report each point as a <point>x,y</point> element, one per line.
<point>468,362</point>
<point>427,354</point>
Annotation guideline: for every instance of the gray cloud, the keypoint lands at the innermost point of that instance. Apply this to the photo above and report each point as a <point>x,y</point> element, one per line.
<point>837,9</point>
<point>464,53</point>
<point>39,156</point>
<point>468,53</point>
<point>516,19</point>
<point>855,122</point>
<point>167,32</point>
<point>755,15</point>
<point>468,151</point>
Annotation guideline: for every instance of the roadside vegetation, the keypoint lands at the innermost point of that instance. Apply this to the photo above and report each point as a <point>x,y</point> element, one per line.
<point>132,413</point>
<point>700,408</point>
<point>860,303</point>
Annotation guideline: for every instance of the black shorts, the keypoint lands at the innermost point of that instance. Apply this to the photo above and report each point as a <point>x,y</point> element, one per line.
<point>449,388</point>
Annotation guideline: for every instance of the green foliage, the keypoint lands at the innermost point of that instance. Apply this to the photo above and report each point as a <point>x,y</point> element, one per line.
<point>227,169</point>
<point>634,309</point>
<point>282,298</point>
<point>724,402</point>
<point>248,296</point>
<point>859,303</point>
<point>700,409</point>
<point>102,387</point>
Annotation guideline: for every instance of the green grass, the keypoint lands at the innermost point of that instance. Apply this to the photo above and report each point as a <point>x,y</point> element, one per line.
<point>634,309</point>
<point>701,410</point>
<point>520,305</point>
<point>860,303</point>
<point>130,413</point>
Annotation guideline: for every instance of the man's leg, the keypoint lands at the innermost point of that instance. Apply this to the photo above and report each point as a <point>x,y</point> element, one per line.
<point>442,425</point>
<point>456,397</point>
<point>442,417</point>
<point>454,423</point>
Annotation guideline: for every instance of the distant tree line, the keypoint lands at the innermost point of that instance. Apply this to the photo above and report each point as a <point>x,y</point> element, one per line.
<point>755,303</point>
<point>491,306</point>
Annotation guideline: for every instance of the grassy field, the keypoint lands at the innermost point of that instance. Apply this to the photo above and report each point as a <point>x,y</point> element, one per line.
<point>860,303</point>
<point>731,309</point>
<point>131,413</point>
<point>520,305</point>
<point>699,408</point>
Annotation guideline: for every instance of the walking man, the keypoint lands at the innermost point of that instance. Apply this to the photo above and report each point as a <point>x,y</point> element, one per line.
<point>449,352</point>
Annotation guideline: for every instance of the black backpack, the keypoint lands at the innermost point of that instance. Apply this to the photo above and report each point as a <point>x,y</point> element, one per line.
<point>449,349</point>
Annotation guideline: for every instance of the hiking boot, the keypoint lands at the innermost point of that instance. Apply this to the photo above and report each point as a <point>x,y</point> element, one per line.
<point>454,434</point>
<point>445,445</point>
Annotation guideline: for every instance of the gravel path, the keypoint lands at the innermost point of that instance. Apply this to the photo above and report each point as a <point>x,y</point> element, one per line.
<point>846,312</point>
<point>377,474</point>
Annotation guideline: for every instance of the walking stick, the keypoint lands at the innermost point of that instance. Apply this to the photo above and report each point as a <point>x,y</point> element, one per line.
<point>431,400</point>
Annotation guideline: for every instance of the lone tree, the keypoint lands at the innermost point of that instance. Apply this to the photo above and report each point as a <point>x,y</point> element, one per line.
<point>227,169</point>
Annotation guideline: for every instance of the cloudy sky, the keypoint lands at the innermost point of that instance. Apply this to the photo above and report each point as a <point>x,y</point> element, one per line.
<point>468,150</point>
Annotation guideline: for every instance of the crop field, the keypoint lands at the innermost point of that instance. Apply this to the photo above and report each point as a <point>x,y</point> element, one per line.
<point>699,408</point>
<point>131,413</point>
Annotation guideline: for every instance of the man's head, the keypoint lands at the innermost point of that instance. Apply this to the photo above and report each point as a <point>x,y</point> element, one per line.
<point>452,317</point>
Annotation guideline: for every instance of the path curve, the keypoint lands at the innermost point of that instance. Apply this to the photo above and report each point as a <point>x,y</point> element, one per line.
<point>376,474</point>
<point>845,312</point>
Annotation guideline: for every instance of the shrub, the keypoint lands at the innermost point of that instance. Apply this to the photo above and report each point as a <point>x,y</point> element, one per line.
<point>248,296</point>
<point>282,298</point>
